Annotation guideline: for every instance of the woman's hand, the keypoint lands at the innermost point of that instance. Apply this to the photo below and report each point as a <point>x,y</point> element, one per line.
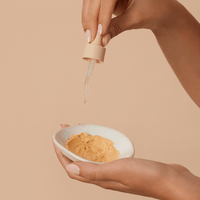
<point>136,176</point>
<point>131,14</point>
<point>176,30</point>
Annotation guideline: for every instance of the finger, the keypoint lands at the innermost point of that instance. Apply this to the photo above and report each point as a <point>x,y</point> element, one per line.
<point>105,14</point>
<point>99,172</point>
<point>90,14</point>
<point>64,125</point>
<point>65,162</point>
<point>106,184</point>
<point>63,159</point>
<point>112,185</point>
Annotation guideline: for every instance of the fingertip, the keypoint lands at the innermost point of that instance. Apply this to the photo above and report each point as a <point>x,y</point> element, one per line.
<point>64,125</point>
<point>106,39</point>
<point>72,168</point>
<point>102,28</point>
<point>88,35</point>
<point>93,36</point>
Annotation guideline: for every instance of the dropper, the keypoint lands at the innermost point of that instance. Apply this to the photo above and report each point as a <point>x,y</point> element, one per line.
<point>94,53</point>
<point>88,77</point>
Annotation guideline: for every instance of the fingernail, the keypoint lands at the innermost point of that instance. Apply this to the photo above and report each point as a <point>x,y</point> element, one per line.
<point>64,125</point>
<point>100,29</point>
<point>106,39</point>
<point>73,169</point>
<point>88,35</point>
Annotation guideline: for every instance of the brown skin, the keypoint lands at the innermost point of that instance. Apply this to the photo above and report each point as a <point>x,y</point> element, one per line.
<point>178,34</point>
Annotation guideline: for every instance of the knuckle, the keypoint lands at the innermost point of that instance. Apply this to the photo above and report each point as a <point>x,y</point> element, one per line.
<point>116,29</point>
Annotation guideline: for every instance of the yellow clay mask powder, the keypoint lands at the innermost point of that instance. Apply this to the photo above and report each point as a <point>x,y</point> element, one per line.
<point>94,148</point>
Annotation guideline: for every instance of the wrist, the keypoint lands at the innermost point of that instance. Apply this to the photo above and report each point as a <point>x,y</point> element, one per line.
<point>181,184</point>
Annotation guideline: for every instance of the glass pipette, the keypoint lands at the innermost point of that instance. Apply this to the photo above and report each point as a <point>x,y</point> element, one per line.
<point>88,77</point>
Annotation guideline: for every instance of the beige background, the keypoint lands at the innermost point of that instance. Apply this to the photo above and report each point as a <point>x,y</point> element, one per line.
<point>41,85</point>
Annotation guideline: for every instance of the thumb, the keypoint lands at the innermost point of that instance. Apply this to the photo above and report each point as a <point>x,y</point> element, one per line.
<point>130,19</point>
<point>117,26</point>
<point>91,171</point>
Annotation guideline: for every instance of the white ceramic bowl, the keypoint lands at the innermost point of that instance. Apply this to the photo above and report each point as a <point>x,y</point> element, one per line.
<point>121,142</point>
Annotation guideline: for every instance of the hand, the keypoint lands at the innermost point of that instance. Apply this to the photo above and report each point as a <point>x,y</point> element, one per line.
<point>131,14</point>
<point>136,176</point>
<point>176,30</point>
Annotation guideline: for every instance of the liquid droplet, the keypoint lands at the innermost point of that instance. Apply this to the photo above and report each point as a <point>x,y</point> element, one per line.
<point>85,101</point>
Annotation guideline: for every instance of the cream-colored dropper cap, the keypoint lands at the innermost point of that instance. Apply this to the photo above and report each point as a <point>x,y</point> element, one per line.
<point>94,50</point>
